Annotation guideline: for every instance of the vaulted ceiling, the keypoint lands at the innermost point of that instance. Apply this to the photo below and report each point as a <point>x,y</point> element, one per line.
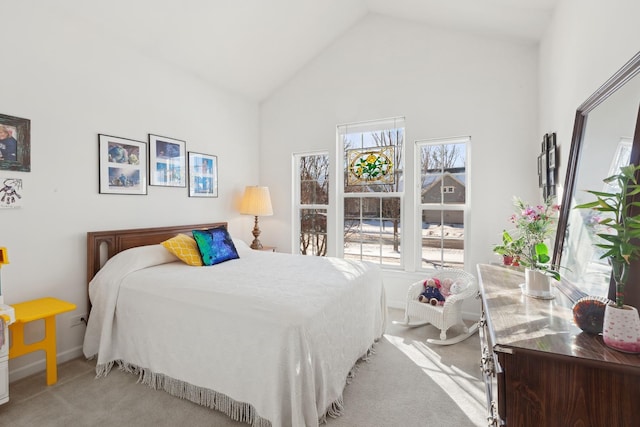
<point>253,46</point>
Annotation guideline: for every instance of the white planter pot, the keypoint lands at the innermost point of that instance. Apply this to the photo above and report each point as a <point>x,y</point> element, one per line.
<point>537,284</point>
<point>621,328</point>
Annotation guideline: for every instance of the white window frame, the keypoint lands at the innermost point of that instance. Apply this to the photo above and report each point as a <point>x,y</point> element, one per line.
<point>297,206</point>
<point>419,206</point>
<point>340,193</point>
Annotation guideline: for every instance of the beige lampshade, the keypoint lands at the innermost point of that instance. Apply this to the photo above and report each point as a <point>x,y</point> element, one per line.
<point>256,201</point>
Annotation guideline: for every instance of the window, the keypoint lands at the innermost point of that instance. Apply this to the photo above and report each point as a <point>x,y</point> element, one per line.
<point>441,176</point>
<point>371,191</point>
<point>312,202</point>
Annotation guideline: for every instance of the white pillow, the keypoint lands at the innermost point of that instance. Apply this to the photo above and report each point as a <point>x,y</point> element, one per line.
<point>241,246</point>
<point>138,258</point>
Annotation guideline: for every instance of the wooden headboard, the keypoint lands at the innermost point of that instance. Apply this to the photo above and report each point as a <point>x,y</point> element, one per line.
<point>120,240</point>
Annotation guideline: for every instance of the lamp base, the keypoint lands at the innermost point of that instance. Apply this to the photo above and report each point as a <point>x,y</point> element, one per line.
<point>256,244</point>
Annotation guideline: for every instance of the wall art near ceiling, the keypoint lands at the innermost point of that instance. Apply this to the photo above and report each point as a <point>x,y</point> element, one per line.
<point>123,165</point>
<point>167,161</point>
<point>203,175</point>
<point>10,193</point>
<point>370,166</point>
<point>547,166</point>
<point>15,144</point>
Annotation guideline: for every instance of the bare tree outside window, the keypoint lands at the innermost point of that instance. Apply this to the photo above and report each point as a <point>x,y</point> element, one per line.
<point>314,198</point>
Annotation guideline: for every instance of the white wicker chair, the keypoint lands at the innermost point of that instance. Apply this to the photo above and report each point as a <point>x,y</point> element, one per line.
<point>441,316</point>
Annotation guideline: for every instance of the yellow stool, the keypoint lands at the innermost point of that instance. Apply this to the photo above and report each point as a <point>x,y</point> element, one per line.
<point>43,308</point>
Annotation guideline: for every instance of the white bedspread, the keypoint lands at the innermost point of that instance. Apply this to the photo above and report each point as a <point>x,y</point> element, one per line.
<point>279,332</point>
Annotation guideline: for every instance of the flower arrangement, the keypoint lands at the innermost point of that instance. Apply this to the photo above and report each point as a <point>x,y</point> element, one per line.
<point>620,229</point>
<point>535,224</point>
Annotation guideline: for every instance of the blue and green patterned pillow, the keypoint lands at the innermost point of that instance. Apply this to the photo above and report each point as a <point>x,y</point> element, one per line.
<point>215,245</point>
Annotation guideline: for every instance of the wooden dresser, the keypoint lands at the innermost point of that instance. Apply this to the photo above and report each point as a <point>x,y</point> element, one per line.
<point>540,369</point>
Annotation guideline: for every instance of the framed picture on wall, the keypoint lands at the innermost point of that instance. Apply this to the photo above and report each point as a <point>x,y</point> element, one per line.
<point>167,161</point>
<point>540,170</point>
<point>203,175</point>
<point>547,162</point>
<point>11,194</point>
<point>15,143</point>
<point>551,149</point>
<point>123,165</point>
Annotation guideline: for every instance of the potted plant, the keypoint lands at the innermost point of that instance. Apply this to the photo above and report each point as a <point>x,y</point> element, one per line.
<point>620,233</point>
<point>535,224</point>
<point>510,249</point>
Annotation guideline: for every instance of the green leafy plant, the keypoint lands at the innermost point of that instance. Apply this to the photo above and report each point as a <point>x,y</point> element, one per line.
<point>621,229</point>
<point>535,224</point>
<point>510,247</point>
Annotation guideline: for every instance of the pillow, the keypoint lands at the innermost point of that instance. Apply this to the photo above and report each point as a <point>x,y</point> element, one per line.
<point>185,248</point>
<point>242,247</point>
<point>215,245</point>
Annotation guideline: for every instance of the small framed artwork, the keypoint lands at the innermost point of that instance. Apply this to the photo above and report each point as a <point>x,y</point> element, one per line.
<point>552,151</point>
<point>552,158</point>
<point>10,193</point>
<point>15,143</point>
<point>540,170</point>
<point>167,161</point>
<point>203,175</point>
<point>123,166</point>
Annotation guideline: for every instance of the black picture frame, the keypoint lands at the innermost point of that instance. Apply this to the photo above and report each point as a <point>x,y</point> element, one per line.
<point>123,165</point>
<point>547,166</point>
<point>15,143</point>
<point>540,170</point>
<point>167,161</point>
<point>203,175</point>
<point>551,150</point>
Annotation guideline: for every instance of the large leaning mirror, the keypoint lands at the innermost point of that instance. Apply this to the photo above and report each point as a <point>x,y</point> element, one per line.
<point>605,137</point>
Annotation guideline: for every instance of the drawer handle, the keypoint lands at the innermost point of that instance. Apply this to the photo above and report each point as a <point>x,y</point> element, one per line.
<point>487,363</point>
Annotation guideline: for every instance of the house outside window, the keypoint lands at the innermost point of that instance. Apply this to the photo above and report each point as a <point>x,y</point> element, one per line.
<point>311,203</point>
<point>441,201</point>
<point>371,194</point>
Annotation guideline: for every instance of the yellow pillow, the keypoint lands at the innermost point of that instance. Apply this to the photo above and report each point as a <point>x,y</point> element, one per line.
<point>185,248</point>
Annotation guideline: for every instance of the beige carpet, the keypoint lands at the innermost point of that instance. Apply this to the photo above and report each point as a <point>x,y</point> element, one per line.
<point>407,383</point>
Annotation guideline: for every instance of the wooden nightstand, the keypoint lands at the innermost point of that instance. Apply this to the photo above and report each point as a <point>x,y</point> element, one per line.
<point>267,249</point>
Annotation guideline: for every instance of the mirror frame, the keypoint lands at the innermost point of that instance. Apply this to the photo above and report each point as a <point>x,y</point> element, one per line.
<point>622,76</point>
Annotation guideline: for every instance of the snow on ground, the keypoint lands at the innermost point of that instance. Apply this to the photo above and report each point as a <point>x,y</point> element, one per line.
<point>376,243</point>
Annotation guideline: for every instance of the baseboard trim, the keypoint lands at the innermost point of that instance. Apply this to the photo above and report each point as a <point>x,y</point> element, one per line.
<point>40,365</point>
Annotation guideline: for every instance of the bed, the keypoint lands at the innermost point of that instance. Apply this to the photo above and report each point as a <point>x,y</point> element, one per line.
<point>270,339</point>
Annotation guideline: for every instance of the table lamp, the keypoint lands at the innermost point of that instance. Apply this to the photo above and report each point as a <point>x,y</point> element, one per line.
<point>257,202</point>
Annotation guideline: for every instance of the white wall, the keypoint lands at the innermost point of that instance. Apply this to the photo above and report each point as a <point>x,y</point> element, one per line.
<point>586,43</point>
<point>445,84</point>
<point>73,86</point>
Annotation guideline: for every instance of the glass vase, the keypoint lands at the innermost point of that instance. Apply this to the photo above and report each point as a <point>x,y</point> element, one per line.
<point>620,273</point>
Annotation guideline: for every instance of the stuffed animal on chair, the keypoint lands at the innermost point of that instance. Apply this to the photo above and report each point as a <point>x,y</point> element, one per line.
<point>431,293</point>
<point>445,289</point>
